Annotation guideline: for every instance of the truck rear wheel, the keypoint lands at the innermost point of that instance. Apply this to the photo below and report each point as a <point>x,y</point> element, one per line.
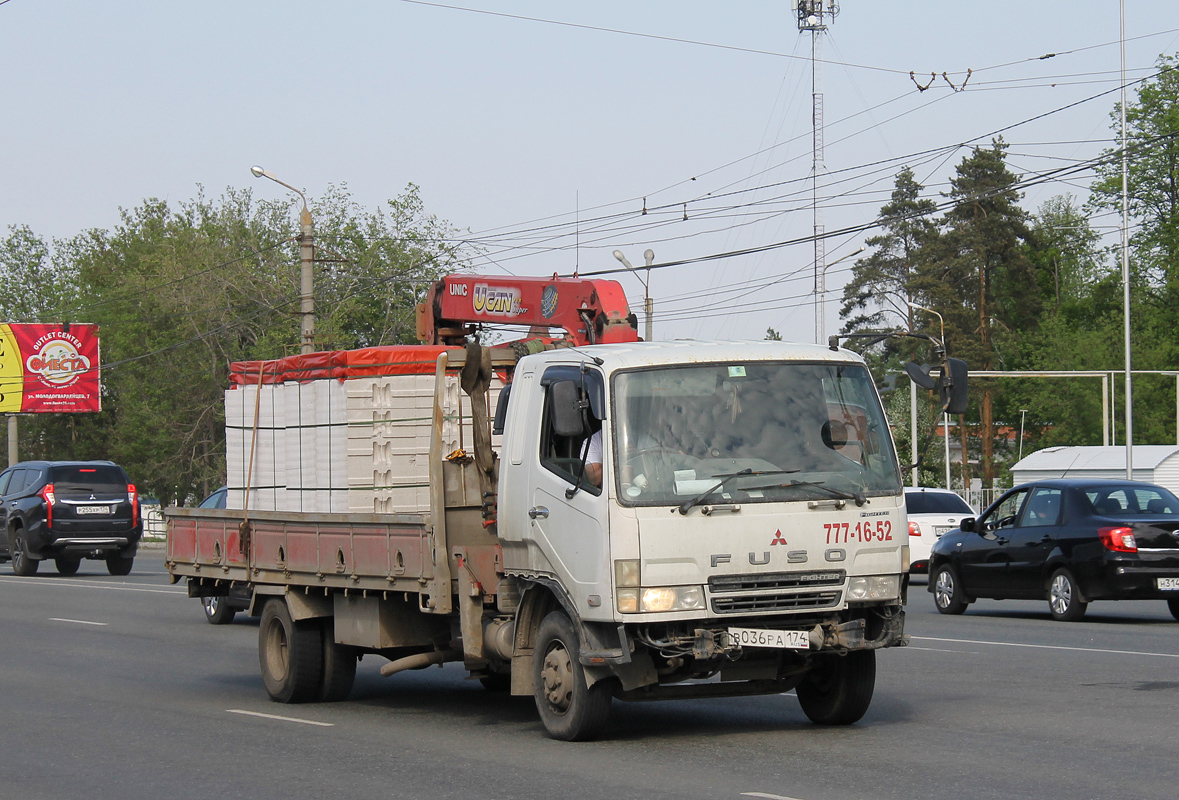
<point>339,666</point>
<point>838,689</point>
<point>290,654</point>
<point>570,710</point>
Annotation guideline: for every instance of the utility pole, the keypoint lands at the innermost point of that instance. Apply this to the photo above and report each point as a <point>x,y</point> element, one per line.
<point>306,264</point>
<point>648,304</point>
<point>813,16</point>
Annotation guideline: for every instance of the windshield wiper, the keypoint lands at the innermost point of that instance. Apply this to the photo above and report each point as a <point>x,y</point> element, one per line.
<point>858,497</point>
<point>725,478</point>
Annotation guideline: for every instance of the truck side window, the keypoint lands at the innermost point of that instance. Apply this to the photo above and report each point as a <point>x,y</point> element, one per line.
<point>563,454</point>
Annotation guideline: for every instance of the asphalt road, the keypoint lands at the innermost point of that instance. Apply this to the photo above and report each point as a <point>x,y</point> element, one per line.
<point>117,688</point>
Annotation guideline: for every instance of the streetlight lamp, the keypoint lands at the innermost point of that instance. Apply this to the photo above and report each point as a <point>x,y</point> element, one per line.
<point>307,266</point>
<point>648,306</point>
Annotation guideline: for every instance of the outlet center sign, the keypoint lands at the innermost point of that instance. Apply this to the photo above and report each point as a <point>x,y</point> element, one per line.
<point>49,368</point>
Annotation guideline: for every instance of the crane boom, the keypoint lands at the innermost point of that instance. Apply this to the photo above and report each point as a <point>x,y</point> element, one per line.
<point>590,311</point>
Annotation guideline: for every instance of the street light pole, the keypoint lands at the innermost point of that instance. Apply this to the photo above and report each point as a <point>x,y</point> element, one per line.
<point>1126,257</point>
<point>307,266</point>
<point>821,299</point>
<point>648,304</point>
<point>945,417</point>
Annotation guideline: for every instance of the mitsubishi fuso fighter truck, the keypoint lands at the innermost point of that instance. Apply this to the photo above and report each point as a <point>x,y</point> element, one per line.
<point>747,536</point>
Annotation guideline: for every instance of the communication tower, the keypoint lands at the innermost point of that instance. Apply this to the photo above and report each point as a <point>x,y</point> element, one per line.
<point>813,16</point>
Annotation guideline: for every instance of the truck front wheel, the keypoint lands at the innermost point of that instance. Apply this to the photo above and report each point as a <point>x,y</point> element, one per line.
<point>838,689</point>
<point>290,654</point>
<point>570,710</point>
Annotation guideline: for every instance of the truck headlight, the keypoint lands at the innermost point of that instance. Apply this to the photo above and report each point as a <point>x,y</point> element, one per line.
<point>660,598</point>
<point>874,587</point>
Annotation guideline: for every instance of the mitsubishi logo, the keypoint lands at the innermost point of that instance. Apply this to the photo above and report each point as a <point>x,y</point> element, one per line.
<point>778,538</point>
<point>92,497</point>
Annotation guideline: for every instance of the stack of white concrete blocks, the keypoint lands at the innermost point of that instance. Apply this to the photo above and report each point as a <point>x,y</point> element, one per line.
<point>357,445</point>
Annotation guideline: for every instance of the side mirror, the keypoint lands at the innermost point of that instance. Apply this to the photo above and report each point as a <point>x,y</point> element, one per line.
<point>835,434</point>
<point>566,408</point>
<point>952,388</point>
<point>967,524</point>
<point>501,411</point>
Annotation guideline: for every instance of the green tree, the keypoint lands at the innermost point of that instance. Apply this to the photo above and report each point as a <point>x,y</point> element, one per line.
<point>34,285</point>
<point>1152,124</point>
<point>978,275</point>
<point>181,291</point>
<point>881,282</point>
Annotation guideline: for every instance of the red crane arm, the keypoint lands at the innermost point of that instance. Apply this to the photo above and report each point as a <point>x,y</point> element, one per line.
<point>590,311</point>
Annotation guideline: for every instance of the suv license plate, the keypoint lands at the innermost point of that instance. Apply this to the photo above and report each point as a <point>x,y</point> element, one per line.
<point>760,637</point>
<point>1168,583</point>
<point>93,509</point>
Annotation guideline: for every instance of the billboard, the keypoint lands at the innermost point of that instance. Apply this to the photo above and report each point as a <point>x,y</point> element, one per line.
<point>50,367</point>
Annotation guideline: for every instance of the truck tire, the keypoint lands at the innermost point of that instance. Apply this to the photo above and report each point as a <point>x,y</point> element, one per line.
<point>67,566</point>
<point>838,689</point>
<point>1064,597</point>
<point>290,654</point>
<point>339,666</point>
<point>218,611</point>
<point>570,710</point>
<point>117,565</point>
<point>947,591</point>
<point>22,563</point>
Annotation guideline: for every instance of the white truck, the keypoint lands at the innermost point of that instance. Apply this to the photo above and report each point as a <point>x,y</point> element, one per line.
<point>748,537</point>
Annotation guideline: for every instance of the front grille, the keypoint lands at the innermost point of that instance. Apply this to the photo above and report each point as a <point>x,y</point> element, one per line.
<point>772,581</point>
<point>750,603</point>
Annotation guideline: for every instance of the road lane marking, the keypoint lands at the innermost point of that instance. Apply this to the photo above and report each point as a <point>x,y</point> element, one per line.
<point>77,621</point>
<point>280,718</point>
<point>767,796</point>
<point>77,584</point>
<point>1050,647</point>
<point>942,650</point>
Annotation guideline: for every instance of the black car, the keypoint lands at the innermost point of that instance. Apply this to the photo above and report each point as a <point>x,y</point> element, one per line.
<point>1065,541</point>
<point>67,511</point>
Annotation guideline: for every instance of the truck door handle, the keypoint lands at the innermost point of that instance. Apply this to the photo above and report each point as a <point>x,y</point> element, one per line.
<point>538,512</point>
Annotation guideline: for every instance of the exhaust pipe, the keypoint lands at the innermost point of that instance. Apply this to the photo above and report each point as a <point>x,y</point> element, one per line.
<point>420,661</point>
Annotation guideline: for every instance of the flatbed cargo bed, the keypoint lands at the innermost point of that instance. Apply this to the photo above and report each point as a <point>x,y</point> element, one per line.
<point>385,552</point>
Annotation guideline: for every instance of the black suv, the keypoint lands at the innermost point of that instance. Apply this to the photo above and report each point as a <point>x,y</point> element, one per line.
<point>67,511</point>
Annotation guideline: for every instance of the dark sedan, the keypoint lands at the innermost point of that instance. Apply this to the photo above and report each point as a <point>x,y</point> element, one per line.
<point>1065,541</point>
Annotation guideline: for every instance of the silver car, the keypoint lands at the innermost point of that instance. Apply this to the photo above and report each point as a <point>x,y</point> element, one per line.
<point>932,513</point>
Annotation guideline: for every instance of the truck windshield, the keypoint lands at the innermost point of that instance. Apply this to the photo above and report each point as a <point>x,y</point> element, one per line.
<point>803,431</point>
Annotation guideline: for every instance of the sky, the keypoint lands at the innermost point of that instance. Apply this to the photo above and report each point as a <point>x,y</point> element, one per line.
<point>544,143</point>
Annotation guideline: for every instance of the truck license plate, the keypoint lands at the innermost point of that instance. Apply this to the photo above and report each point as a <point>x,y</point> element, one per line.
<point>759,637</point>
<point>1168,583</point>
<point>93,509</point>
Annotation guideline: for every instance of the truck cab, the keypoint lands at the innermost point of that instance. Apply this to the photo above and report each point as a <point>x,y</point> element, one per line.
<point>749,523</point>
